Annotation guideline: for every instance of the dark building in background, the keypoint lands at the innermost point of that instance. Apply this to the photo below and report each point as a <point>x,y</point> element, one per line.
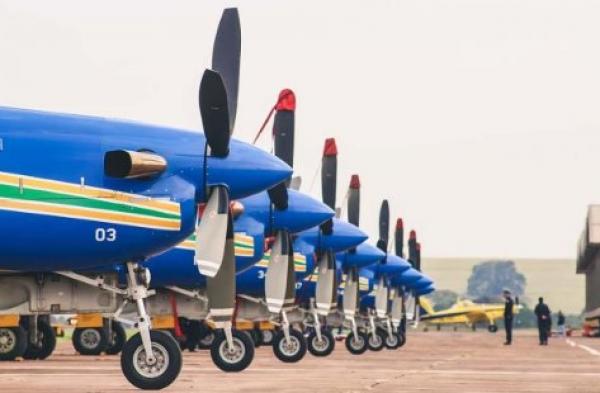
<point>588,263</point>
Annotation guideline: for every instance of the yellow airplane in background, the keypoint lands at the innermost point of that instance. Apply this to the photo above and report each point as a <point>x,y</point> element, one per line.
<point>464,312</point>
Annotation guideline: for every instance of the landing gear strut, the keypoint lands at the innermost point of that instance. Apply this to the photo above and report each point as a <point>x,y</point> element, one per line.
<point>151,359</point>
<point>289,345</point>
<point>323,346</point>
<point>234,357</point>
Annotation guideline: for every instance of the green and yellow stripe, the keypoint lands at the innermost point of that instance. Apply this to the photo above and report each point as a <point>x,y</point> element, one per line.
<point>363,283</point>
<point>244,244</point>
<point>61,199</point>
<point>299,262</point>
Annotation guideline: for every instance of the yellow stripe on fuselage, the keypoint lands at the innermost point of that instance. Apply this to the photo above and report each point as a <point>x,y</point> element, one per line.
<point>89,192</point>
<point>88,214</point>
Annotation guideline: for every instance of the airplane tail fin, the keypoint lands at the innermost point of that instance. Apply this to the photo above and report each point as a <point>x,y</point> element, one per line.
<point>426,306</point>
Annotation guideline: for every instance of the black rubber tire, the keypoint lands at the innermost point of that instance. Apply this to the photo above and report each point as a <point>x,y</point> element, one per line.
<point>356,347</point>
<point>402,338</point>
<point>394,343</point>
<point>492,328</point>
<point>15,343</point>
<point>206,342</point>
<point>47,337</point>
<point>257,337</point>
<point>376,341</point>
<point>267,337</point>
<point>242,341</point>
<point>284,354</point>
<point>118,339</point>
<point>166,344</point>
<point>82,343</point>
<point>324,349</point>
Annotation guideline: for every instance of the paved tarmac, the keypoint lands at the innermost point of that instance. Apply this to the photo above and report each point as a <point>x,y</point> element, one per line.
<point>429,362</point>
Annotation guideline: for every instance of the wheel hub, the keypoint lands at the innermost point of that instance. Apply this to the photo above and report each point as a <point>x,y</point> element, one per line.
<point>208,339</point>
<point>7,340</point>
<point>374,340</point>
<point>357,342</point>
<point>289,347</point>
<point>233,354</point>
<point>90,338</point>
<point>321,345</point>
<point>151,369</point>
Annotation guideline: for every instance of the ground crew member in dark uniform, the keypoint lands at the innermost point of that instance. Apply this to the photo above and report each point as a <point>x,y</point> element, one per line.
<point>508,316</point>
<point>542,312</point>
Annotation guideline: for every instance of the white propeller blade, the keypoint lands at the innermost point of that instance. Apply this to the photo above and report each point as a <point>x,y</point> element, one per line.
<point>277,273</point>
<point>350,299</point>
<point>325,291</point>
<point>381,298</point>
<point>211,233</point>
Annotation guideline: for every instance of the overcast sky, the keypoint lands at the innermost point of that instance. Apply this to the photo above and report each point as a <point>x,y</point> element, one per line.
<point>478,120</point>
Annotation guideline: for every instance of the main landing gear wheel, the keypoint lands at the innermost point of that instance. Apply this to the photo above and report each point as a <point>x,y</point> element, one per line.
<point>13,342</point>
<point>402,337</point>
<point>90,341</point>
<point>376,340</point>
<point>206,342</point>
<point>392,342</point>
<point>256,337</point>
<point>46,342</point>
<point>492,328</point>
<point>267,337</point>
<point>292,351</point>
<point>233,359</point>
<point>356,345</point>
<point>117,339</point>
<point>323,347</point>
<point>160,373</point>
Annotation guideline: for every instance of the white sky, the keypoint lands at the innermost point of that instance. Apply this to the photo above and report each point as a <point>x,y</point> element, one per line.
<point>478,120</point>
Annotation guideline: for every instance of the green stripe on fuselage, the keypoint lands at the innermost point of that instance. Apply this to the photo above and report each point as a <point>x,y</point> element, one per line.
<point>57,198</point>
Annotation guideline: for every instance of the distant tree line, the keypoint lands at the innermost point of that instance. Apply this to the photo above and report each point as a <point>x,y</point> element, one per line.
<point>485,285</point>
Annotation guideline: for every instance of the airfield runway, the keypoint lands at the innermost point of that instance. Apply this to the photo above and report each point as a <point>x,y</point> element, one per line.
<point>430,362</point>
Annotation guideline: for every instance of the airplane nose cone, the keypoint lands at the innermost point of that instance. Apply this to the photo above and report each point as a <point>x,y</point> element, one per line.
<point>303,212</point>
<point>408,277</point>
<point>366,254</point>
<point>246,170</point>
<point>425,291</point>
<point>423,283</point>
<point>344,236</point>
<point>394,265</point>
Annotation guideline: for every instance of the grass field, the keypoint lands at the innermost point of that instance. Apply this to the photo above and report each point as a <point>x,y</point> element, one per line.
<point>554,279</point>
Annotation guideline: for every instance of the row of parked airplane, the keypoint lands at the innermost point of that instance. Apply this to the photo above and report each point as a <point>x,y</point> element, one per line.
<point>193,239</point>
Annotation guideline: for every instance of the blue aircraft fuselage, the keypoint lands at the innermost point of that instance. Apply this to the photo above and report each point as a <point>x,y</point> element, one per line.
<point>176,267</point>
<point>59,211</point>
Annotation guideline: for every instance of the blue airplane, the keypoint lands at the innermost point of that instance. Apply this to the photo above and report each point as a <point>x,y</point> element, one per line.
<point>85,193</point>
<point>278,213</point>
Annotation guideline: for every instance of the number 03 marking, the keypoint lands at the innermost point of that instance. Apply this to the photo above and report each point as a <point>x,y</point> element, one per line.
<point>105,234</point>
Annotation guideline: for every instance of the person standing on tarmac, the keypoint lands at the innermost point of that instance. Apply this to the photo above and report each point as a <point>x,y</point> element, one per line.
<point>542,313</point>
<point>561,323</point>
<point>508,316</point>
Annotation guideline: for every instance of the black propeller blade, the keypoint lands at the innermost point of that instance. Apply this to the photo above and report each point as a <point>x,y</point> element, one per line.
<point>412,249</point>
<point>384,226</point>
<point>219,87</point>
<point>354,200</point>
<point>418,256</point>
<point>283,126</point>
<point>283,135</point>
<point>329,180</point>
<point>399,238</point>
<point>279,196</point>
<point>226,57</point>
<point>215,113</point>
